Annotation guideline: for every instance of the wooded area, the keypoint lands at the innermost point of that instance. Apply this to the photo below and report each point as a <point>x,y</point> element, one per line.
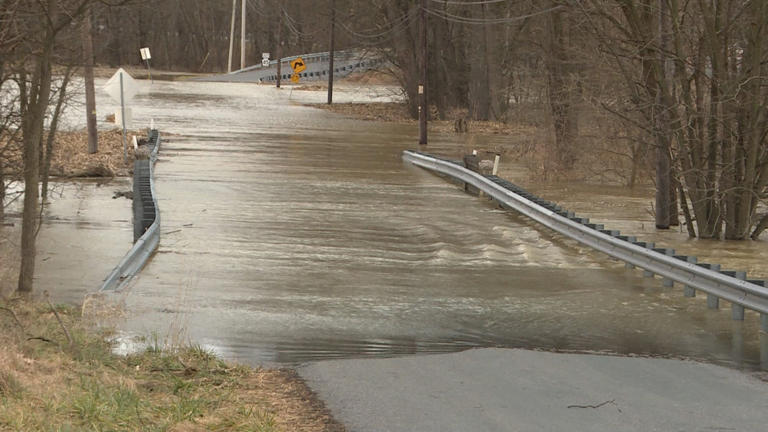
<point>667,86</point>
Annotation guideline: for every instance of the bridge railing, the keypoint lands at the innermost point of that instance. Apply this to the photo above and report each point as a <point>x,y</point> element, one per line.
<point>310,58</point>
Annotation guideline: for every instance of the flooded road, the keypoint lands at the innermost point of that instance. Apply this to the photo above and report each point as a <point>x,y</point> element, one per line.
<point>291,234</point>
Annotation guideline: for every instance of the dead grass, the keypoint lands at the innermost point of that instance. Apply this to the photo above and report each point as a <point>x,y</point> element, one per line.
<point>9,257</point>
<point>387,112</point>
<point>46,384</point>
<point>71,158</point>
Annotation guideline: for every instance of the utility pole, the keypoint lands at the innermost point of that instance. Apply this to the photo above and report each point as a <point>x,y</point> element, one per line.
<point>423,81</point>
<point>242,38</point>
<point>663,162</point>
<point>90,92</point>
<point>332,52</point>
<point>279,49</point>
<point>232,36</point>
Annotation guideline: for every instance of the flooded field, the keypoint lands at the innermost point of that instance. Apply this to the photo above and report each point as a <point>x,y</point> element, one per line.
<point>291,234</point>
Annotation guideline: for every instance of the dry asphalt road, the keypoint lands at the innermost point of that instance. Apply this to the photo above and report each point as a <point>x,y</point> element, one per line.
<point>517,390</point>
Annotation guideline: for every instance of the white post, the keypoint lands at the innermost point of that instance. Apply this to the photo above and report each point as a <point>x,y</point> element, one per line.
<point>122,111</point>
<point>149,68</point>
<point>496,164</point>
<point>474,152</point>
<point>232,36</point>
<point>242,38</point>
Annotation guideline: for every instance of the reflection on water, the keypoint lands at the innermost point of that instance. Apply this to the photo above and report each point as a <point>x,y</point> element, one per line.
<point>85,233</point>
<point>292,234</point>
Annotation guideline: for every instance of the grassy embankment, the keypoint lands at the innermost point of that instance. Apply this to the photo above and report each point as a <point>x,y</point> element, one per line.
<point>58,374</point>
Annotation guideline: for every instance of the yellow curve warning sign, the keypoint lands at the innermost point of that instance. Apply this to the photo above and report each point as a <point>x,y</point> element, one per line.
<point>298,65</point>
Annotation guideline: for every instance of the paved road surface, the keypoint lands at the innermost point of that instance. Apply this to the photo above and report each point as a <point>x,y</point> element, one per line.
<point>517,390</point>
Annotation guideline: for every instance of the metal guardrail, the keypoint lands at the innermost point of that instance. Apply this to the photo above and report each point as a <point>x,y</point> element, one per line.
<point>308,58</point>
<point>695,276</point>
<point>147,244</point>
<point>346,62</point>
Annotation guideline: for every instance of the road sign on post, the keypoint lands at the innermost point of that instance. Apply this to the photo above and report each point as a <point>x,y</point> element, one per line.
<point>298,67</point>
<point>146,56</point>
<point>130,87</point>
<point>265,59</point>
<point>122,88</point>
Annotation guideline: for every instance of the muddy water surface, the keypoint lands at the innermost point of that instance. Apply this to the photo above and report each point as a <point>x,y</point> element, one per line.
<point>291,234</point>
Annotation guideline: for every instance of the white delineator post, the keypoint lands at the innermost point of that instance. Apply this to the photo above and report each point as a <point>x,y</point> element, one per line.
<point>496,161</point>
<point>122,112</point>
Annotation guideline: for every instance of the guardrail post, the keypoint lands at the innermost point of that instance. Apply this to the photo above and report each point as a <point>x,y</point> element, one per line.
<point>667,282</point>
<point>630,266</point>
<point>764,322</point>
<point>737,310</point>
<point>764,349</point>
<point>472,163</point>
<point>713,302</point>
<point>689,291</point>
<point>648,273</point>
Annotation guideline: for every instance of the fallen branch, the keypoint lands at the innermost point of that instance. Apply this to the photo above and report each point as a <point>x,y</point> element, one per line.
<point>61,323</point>
<point>612,401</point>
<point>44,339</point>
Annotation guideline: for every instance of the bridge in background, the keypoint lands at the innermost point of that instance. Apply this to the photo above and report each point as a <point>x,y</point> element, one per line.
<point>345,63</point>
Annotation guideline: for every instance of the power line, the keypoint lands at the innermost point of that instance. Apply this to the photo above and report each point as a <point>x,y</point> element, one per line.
<point>470,3</point>
<point>479,21</point>
<point>400,21</point>
<point>292,24</point>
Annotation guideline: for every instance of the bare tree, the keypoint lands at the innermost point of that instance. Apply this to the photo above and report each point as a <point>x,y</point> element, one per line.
<point>702,91</point>
<point>38,27</point>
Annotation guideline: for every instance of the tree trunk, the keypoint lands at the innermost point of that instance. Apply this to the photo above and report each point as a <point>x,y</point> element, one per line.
<point>33,117</point>
<point>90,91</point>
<point>39,95</point>
<point>480,101</point>
<point>663,132</point>
<point>2,191</point>
<point>52,132</point>
<point>560,94</point>
<point>761,226</point>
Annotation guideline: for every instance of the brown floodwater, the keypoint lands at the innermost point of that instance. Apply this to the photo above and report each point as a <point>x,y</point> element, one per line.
<point>291,234</point>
